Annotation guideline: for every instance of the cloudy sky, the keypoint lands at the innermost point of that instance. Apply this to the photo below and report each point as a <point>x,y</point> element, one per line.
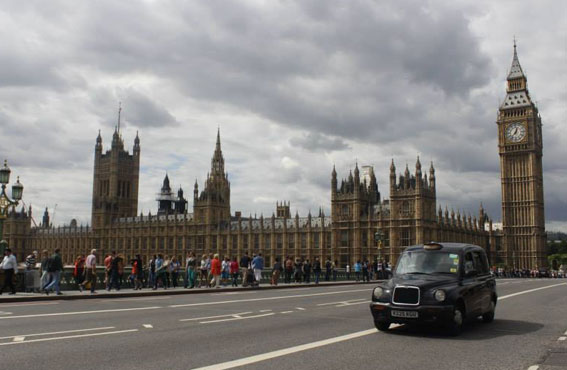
<point>295,87</point>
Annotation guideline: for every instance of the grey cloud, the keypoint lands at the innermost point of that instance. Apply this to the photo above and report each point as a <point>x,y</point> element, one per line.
<point>316,142</point>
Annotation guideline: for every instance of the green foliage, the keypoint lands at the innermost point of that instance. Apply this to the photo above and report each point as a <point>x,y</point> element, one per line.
<point>561,259</point>
<point>556,247</point>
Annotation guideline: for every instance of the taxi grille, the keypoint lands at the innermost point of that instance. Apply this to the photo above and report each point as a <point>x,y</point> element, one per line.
<point>406,295</point>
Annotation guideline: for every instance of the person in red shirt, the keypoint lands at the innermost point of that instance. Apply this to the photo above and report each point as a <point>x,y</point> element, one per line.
<point>216,268</point>
<point>234,271</point>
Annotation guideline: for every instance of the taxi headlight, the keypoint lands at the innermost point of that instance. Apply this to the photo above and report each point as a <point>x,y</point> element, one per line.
<point>378,292</point>
<point>440,295</point>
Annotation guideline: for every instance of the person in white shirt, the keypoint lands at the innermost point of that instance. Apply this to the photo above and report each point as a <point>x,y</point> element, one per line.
<point>90,272</point>
<point>10,267</point>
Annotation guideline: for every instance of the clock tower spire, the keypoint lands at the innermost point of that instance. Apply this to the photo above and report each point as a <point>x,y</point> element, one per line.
<point>521,148</point>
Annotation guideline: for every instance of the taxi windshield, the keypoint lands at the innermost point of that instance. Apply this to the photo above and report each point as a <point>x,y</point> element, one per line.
<point>428,262</point>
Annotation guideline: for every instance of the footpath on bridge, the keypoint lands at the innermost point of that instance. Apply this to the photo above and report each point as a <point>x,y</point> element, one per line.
<point>147,292</point>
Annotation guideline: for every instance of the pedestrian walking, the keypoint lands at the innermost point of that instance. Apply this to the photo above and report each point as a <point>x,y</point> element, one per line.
<point>137,272</point>
<point>10,267</point>
<point>298,270</point>
<point>317,269</point>
<point>54,269</point>
<point>234,272</point>
<point>276,271</point>
<point>328,269</point>
<point>167,271</point>
<point>90,272</point>
<point>160,273</point>
<point>216,268</point>
<point>208,266</point>
<point>347,271</point>
<point>203,272</point>
<point>31,260</point>
<point>107,268</point>
<point>357,270</point>
<point>225,271</point>
<point>191,266</point>
<point>335,269</point>
<point>288,270</point>
<point>152,272</point>
<point>365,271</point>
<point>244,264</point>
<point>43,268</point>
<point>79,270</point>
<point>114,272</point>
<point>31,275</point>
<point>258,266</point>
<point>307,271</point>
<point>174,267</point>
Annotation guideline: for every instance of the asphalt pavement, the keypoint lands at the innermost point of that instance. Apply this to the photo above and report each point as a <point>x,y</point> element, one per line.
<point>325,327</point>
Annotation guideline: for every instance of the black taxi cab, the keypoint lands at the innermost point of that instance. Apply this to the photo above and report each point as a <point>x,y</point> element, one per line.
<point>443,283</point>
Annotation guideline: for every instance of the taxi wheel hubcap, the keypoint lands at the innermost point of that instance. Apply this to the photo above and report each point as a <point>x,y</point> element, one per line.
<point>458,318</point>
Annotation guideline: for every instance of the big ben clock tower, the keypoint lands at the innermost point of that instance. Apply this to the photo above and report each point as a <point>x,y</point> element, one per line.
<point>520,147</point>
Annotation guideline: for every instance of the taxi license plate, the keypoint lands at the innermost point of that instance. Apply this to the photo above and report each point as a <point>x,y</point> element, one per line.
<point>405,314</point>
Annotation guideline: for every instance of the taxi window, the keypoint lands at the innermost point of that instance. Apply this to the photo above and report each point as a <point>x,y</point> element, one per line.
<point>480,263</point>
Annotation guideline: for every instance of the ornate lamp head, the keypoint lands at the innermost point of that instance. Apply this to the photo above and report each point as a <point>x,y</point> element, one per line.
<point>5,173</point>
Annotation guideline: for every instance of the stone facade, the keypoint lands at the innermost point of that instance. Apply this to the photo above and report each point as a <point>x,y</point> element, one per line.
<point>347,235</point>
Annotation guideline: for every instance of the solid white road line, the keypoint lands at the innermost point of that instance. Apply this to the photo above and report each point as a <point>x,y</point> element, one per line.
<point>59,332</point>
<point>26,304</point>
<point>529,291</point>
<point>267,298</point>
<point>341,302</point>
<point>70,337</point>
<point>5,313</point>
<point>236,317</point>
<point>287,351</point>
<point>215,317</point>
<point>351,303</point>
<point>78,313</point>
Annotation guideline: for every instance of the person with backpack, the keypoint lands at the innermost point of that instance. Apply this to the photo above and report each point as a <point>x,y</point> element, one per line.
<point>328,269</point>
<point>79,270</point>
<point>191,270</point>
<point>276,271</point>
<point>54,269</point>
<point>116,265</point>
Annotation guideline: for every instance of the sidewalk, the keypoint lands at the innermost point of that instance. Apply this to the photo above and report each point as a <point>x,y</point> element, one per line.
<point>147,292</point>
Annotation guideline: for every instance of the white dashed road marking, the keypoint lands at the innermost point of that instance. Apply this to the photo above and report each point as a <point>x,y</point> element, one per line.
<point>78,313</point>
<point>216,317</point>
<point>300,308</point>
<point>18,339</point>
<point>236,317</point>
<point>148,326</point>
<point>58,332</point>
<point>70,337</point>
<point>284,312</point>
<point>562,338</point>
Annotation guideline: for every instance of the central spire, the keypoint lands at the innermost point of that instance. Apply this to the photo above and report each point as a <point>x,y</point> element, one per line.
<point>515,69</point>
<point>217,163</point>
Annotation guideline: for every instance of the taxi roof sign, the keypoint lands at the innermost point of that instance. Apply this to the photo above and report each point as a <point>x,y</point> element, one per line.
<point>432,246</point>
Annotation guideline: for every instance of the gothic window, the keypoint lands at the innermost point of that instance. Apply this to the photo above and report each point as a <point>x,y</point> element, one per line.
<point>267,244</point>
<point>405,237</point>
<point>316,240</point>
<point>345,210</point>
<point>344,238</point>
<point>303,240</point>
<point>234,243</point>
<point>180,243</point>
<point>256,242</point>
<point>364,239</point>
<point>279,241</point>
<point>291,242</point>
<point>405,208</point>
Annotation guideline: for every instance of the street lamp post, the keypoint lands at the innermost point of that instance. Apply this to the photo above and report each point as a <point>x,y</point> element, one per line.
<point>6,202</point>
<point>378,238</point>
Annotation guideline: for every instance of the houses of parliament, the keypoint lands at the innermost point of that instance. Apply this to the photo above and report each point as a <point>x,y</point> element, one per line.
<point>410,215</point>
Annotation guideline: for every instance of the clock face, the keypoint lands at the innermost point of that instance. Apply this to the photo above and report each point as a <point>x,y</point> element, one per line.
<point>515,132</point>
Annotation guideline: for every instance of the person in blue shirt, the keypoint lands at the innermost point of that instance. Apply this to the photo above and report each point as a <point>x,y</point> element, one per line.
<point>357,270</point>
<point>258,266</point>
<point>160,272</point>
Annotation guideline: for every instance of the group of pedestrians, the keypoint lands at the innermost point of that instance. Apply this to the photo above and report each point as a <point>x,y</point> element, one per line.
<point>210,270</point>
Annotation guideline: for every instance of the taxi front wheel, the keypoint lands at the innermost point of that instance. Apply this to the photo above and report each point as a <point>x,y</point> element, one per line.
<point>382,325</point>
<point>456,325</point>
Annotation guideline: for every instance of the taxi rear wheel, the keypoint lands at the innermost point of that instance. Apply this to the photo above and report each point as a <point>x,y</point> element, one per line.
<point>489,316</point>
<point>382,325</point>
